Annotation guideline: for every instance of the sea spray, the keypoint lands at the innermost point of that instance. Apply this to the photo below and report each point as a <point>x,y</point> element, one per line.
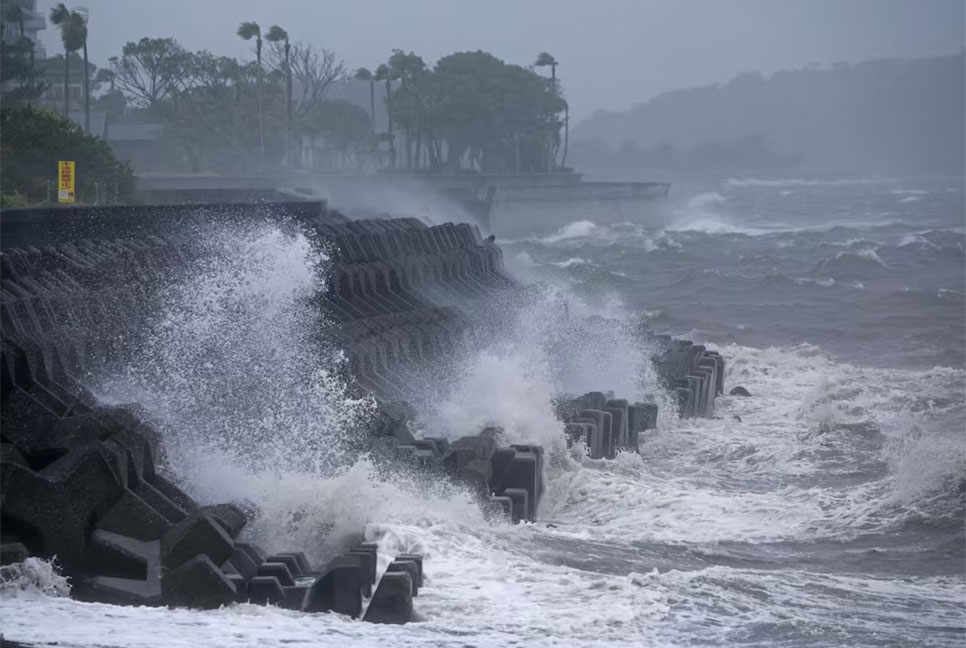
<point>236,372</point>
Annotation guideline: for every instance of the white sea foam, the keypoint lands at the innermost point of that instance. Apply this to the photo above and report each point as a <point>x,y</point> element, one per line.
<point>34,577</point>
<point>578,229</point>
<point>800,182</point>
<point>916,240</point>
<point>783,473</point>
<point>251,403</point>
<point>705,213</point>
<point>697,484</point>
<point>573,261</point>
<point>910,192</point>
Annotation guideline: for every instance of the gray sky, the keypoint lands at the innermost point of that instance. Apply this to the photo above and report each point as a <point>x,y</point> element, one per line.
<point>612,53</point>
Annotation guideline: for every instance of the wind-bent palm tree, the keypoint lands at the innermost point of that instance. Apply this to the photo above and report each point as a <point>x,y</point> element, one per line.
<point>545,59</point>
<point>363,74</point>
<point>87,90</point>
<point>276,34</point>
<point>249,30</point>
<point>73,34</point>
<point>383,73</point>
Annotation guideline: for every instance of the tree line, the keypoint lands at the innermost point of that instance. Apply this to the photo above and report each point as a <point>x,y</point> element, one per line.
<point>472,111</point>
<point>469,111</point>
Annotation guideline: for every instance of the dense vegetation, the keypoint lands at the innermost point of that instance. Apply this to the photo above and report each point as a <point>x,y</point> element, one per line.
<point>471,110</point>
<point>33,140</point>
<point>474,110</point>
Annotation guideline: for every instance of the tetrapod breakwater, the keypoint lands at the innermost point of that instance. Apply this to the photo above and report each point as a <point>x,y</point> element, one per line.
<point>89,482</point>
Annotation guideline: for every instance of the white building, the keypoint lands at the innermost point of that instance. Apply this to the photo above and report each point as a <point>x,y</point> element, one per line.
<point>33,23</point>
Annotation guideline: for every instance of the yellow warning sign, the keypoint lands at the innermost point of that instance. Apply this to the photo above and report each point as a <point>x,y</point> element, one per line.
<point>65,181</point>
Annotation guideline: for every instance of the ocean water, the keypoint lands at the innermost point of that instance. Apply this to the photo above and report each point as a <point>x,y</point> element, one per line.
<point>826,510</point>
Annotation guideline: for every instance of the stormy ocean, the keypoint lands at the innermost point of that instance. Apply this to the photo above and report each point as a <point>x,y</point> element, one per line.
<point>827,509</point>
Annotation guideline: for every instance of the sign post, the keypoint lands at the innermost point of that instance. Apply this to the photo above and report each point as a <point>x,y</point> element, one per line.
<point>65,181</point>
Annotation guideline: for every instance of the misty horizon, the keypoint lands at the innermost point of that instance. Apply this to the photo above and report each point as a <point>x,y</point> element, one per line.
<point>652,47</point>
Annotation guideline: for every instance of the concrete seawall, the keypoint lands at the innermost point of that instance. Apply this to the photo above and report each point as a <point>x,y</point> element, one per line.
<point>81,480</point>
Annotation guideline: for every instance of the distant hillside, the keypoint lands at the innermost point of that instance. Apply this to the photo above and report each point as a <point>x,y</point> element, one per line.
<point>876,117</point>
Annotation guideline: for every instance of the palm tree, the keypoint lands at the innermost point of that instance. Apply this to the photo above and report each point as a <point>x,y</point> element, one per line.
<point>383,73</point>
<point>276,34</point>
<point>73,34</point>
<point>87,92</point>
<point>249,30</point>
<point>363,74</point>
<point>545,59</point>
<point>106,75</point>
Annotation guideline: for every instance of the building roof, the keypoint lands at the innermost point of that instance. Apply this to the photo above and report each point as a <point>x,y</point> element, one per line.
<point>53,67</point>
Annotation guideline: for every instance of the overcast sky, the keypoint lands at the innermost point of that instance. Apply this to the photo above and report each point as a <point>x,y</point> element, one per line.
<point>612,53</point>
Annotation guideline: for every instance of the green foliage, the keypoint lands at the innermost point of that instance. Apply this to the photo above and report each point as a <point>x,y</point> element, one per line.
<point>544,59</point>
<point>276,34</point>
<point>249,30</point>
<point>486,111</point>
<point>344,125</point>
<point>12,201</point>
<point>33,140</point>
<point>73,27</point>
<point>150,70</point>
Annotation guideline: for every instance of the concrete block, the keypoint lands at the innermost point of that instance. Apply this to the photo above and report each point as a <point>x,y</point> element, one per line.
<point>118,556</point>
<point>393,600</point>
<point>198,583</point>
<point>367,566</point>
<point>294,597</point>
<point>289,561</point>
<point>408,566</point>
<point>520,499</point>
<point>132,516</point>
<point>522,473</point>
<point>500,505</point>
<point>278,570</point>
<point>265,590</point>
<point>241,587</point>
<point>416,558</point>
<point>229,516</point>
<point>57,506</point>
<point>338,589</point>
<point>300,560</point>
<point>196,534</point>
<point>243,563</point>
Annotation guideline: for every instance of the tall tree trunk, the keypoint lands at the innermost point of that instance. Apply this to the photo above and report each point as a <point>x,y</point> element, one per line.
<point>288,107</point>
<point>261,125</point>
<point>87,95</point>
<point>372,103</point>
<point>66,87</point>
<point>235,118</point>
<point>392,139</point>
